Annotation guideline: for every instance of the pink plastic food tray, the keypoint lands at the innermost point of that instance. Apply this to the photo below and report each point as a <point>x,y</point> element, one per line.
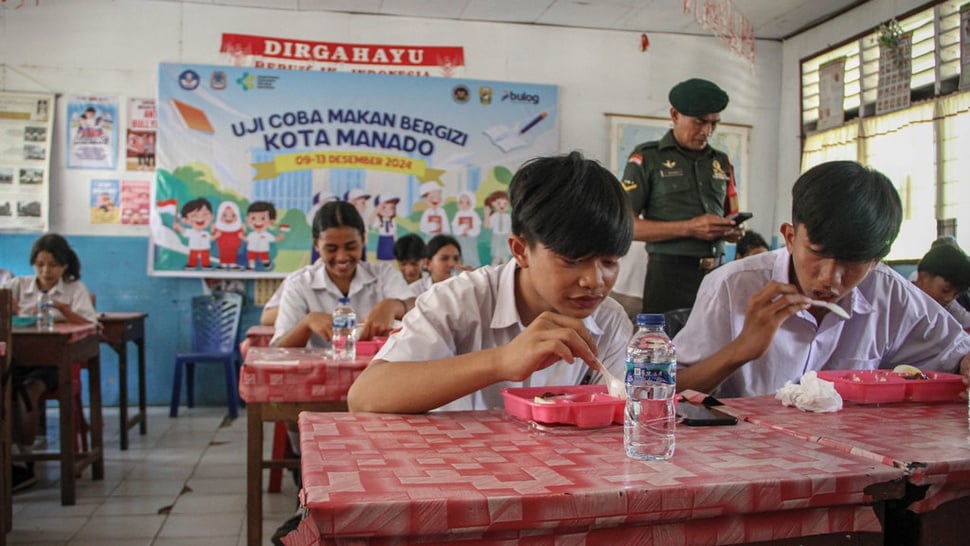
<point>585,406</point>
<point>371,346</point>
<point>884,386</point>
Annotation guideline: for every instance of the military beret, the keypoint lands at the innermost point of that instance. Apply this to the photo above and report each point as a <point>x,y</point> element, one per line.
<point>696,97</point>
<point>949,262</point>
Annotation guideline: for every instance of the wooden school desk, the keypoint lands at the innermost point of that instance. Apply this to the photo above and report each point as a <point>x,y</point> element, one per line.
<point>117,330</point>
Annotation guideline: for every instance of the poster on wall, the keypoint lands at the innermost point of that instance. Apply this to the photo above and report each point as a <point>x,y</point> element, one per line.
<point>26,126</point>
<point>92,132</point>
<point>295,54</point>
<point>135,202</point>
<point>140,141</point>
<point>104,202</point>
<point>831,92</point>
<point>246,156</point>
<point>965,46</point>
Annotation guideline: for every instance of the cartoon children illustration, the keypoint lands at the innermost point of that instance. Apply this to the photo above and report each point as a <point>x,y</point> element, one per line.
<point>382,219</point>
<point>260,216</point>
<point>197,215</point>
<point>434,220</point>
<point>89,125</point>
<point>498,219</point>
<point>467,226</point>
<point>228,233</point>
<point>358,199</point>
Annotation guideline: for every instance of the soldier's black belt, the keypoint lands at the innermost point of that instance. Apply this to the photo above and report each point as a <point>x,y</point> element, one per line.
<point>705,263</point>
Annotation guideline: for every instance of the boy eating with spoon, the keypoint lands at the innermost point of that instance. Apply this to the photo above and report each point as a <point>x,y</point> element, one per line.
<point>754,325</point>
<point>531,322</point>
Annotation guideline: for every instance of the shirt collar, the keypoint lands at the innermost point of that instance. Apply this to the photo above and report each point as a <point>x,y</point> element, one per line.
<point>320,280</point>
<point>506,314</point>
<point>33,288</point>
<point>668,141</point>
<point>858,303</point>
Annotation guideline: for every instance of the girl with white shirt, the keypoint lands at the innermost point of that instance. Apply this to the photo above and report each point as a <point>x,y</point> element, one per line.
<point>377,291</point>
<point>57,272</point>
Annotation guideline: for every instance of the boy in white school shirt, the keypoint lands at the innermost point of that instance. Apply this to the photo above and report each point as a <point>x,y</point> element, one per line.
<point>531,322</point>
<point>753,327</point>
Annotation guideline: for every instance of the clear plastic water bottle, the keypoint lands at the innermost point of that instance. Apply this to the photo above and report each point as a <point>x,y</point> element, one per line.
<point>344,322</point>
<point>651,384</point>
<point>45,312</point>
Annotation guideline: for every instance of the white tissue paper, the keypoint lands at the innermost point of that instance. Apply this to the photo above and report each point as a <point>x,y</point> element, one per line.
<point>813,394</point>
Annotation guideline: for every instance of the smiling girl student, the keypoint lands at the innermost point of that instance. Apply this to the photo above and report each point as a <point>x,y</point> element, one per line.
<point>531,322</point>
<point>377,291</point>
<point>57,272</point>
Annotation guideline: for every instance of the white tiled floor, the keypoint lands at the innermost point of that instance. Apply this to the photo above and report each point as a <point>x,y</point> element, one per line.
<point>184,483</point>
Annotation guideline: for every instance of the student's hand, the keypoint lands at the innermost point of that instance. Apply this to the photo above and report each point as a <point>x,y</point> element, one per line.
<point>319,323</point>
<point>381,319</point>
<point>710,227</point>
<point>767,310</point>
<point>550,338</point>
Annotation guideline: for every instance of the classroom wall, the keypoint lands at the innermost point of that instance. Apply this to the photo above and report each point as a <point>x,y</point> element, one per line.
<point>113,48</point>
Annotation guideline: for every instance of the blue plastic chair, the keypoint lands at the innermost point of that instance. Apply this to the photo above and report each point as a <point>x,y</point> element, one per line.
<point>215,326</point>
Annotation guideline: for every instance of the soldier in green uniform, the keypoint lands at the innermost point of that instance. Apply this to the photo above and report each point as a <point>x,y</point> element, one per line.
<point>681,190</point>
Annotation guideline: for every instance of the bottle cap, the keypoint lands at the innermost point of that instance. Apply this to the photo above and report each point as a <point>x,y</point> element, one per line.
<point>647,319</point>
<point>343,300</point>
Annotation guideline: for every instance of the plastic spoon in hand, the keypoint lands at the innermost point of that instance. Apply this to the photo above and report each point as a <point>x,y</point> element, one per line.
<point>831,307</point>
<point>614,386</point>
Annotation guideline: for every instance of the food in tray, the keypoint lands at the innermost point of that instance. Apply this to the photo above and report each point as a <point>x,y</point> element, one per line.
<point>910,372</point>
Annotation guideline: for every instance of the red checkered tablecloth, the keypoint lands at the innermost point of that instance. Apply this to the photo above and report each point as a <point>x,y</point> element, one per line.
<point>296,375</point>
<point>930,441</point>
<point>483,475</point>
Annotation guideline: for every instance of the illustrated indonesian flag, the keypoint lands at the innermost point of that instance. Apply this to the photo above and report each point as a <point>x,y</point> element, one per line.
<point>284,228</point>
<point>170,206</point>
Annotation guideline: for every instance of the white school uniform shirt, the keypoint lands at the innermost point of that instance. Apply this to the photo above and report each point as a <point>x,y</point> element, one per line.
<point>198,239</point>
<point>312,290</point>
<point>891,322</point>
<point>475,311</point>
<point>259,241</point>
<point>432,228</point>
<point>421,285</point>
<point>26,293</point>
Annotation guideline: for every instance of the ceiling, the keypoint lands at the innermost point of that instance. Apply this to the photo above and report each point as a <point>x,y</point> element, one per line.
<point>771,19</point>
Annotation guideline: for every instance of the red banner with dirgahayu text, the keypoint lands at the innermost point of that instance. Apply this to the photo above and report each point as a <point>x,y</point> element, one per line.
<point>293,54</point>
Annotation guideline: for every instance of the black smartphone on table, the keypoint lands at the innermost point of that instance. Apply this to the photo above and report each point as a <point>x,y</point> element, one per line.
<point>741,218</point>
<point>697,415</point>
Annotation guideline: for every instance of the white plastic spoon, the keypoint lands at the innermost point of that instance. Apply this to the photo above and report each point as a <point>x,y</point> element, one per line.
<point>615,386</point>
<point>831,307</point>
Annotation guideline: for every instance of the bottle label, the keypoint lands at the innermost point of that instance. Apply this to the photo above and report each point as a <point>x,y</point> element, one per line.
<point>651,372</point>
<point>341,321</point>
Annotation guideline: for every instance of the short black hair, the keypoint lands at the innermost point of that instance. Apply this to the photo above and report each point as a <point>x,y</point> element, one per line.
<point>949,262</point>
<point>262,206</point>
<point>59,248</point>
<point>750,241</point>
<point>440,241</point>
<point>852,212</point>
<point>337,214</point>
<point>194,205</point>
<point>409,247</point>
<point>572,205</point>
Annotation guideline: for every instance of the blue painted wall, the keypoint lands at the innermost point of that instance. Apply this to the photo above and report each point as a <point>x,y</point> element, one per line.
<point>113,268</point>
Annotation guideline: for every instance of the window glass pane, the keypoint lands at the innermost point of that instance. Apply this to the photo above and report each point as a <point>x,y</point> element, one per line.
<point>901,146</point>
<point>954,111</point>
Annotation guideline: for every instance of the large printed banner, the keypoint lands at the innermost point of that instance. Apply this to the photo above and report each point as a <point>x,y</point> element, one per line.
<point>245,157</point>
<point>292,54</point>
